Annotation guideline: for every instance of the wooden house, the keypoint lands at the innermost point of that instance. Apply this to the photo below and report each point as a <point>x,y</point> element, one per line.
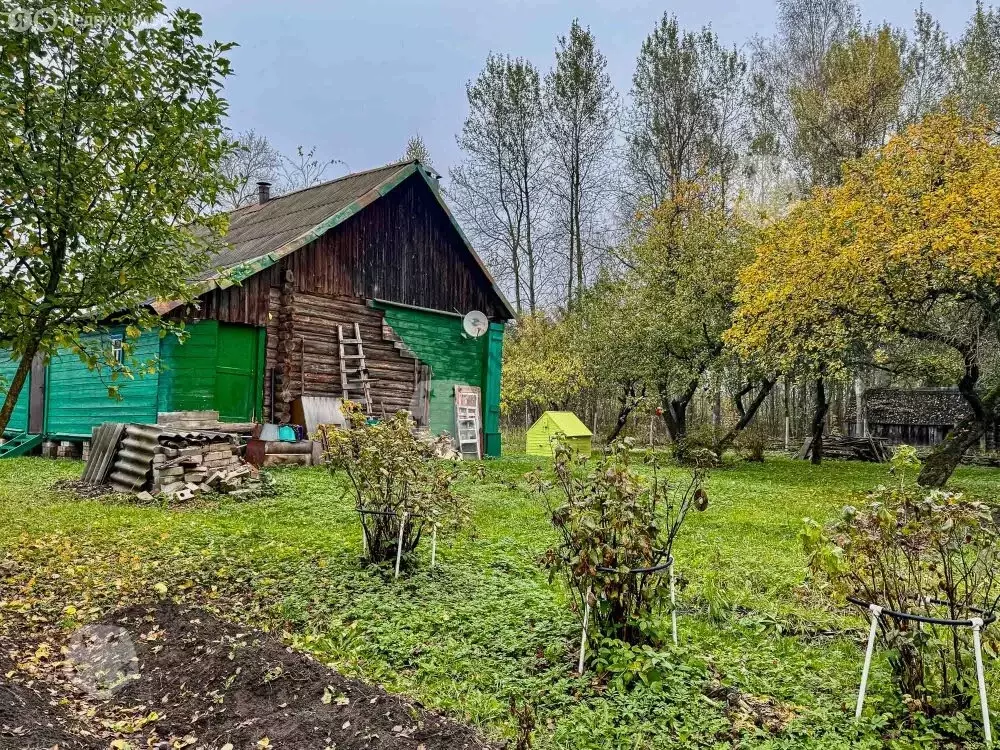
<point>375,253</point>
<point>538,441</point>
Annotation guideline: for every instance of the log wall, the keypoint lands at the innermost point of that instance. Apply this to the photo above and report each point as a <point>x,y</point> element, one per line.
<point>401,248</point>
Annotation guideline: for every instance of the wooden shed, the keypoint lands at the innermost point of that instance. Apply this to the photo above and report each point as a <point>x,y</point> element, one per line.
<point>552,423</point>
<point>374,259</point>
<point>920,417</point>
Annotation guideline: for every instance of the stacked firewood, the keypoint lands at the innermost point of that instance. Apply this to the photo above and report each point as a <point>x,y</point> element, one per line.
<point>869,449</point>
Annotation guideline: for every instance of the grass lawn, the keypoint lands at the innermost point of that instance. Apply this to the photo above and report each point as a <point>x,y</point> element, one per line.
<point>486,627</point>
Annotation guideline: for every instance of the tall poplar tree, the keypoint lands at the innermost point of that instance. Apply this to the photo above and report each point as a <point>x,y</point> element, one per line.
<point>580,110</point>
<point>499,188</point>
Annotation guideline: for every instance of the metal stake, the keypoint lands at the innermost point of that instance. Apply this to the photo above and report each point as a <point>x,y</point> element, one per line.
<point>583,634</point>
<point>399,544</point>
<point>876,613</point>
<point>434,544</point>
<point>977,625</point>
<point>673,603</point>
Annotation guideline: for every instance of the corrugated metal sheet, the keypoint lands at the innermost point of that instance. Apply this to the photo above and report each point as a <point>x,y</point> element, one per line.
<point>103,448</point>
<point>134,463</point>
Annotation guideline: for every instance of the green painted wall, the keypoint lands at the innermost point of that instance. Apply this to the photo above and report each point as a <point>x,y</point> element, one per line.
<point>77,398</point>
<point>455,359</point>
<point>19,419</point>
<point>218,367</point>
<point>187,382</point>
<point>491,393</point>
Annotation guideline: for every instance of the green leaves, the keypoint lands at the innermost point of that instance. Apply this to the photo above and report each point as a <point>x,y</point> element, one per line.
<point>613,521</point>
<point>114,133</point>
<point>393,472</point>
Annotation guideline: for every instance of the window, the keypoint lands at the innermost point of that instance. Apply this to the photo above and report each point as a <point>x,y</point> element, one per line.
<point>116,349</point>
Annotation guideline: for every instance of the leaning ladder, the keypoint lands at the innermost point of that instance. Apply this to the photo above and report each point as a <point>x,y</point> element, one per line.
<point>354,380</point>
<point>467,419</point>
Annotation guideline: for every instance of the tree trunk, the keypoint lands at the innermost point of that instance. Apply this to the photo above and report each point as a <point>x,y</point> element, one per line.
<point>16,385</point>
<point>945,458</point>
<point>628,401</point>
<point>675,410</point>
<point>788,413</point>
<point>819,422</point>
<point>746,415</point>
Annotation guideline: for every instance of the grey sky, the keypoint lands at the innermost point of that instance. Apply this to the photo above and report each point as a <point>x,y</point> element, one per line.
<point>358,78</point>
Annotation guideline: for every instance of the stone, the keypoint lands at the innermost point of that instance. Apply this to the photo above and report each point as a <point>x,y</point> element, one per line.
<point>144,497</point>
<point>169,489</point>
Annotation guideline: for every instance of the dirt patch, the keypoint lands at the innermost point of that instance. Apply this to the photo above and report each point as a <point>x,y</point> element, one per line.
<point>84,490</point>
<point>748,711</point>
<point>211,684</point>
<point>32,717</point>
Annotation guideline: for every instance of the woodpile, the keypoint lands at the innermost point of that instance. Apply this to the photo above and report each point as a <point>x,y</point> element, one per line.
<point>871,449</point>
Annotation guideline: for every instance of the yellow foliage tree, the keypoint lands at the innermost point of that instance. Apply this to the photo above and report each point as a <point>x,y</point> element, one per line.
<point>906,248</point>
<point>541,365</point>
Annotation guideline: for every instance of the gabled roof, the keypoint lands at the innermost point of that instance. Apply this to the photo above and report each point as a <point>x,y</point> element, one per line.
<point>261,234</point>
<point>565,422</point>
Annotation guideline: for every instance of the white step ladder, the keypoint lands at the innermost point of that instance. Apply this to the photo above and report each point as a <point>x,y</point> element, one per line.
<point>467,399</point>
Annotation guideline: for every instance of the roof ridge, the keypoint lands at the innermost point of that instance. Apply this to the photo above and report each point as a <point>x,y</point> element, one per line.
<point>390,165</point>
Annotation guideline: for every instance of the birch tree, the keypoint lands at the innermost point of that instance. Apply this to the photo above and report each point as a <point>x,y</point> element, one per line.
<point>684,122</point>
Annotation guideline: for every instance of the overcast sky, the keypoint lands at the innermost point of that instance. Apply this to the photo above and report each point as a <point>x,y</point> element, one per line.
<point>357,79</point>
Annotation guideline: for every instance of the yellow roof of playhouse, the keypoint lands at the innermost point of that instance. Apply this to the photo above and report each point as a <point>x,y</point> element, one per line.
<point>565,422</point>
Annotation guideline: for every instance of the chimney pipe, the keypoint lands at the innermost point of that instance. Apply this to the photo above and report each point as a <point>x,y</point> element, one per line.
<point>263,192</point>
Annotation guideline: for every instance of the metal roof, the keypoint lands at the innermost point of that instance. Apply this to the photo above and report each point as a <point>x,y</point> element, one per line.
<point>261,234</point>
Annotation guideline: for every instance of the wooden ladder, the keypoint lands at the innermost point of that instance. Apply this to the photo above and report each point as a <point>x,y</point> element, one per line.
<point>354,380</point>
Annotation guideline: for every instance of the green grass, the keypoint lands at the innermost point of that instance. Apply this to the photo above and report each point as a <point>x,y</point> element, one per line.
<point>486,626</point>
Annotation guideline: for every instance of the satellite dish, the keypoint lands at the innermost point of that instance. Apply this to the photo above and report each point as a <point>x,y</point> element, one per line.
<point>476,324</point>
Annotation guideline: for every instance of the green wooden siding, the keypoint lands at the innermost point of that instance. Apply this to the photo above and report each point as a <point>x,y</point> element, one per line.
<point>77,398</point>
<point>491,394</point>
<point>187,382</point>
<point>454,358</point>
<point>218,367</point>
<point>19,418</point>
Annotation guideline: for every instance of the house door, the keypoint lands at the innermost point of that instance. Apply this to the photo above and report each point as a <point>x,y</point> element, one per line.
<point>36,396</point>
<point>237,380</point>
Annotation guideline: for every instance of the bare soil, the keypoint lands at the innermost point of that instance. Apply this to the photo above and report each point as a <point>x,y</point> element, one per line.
<point>199,682</point>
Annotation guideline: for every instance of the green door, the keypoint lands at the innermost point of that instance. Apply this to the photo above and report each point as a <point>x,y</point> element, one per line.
<point>237,379</point>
